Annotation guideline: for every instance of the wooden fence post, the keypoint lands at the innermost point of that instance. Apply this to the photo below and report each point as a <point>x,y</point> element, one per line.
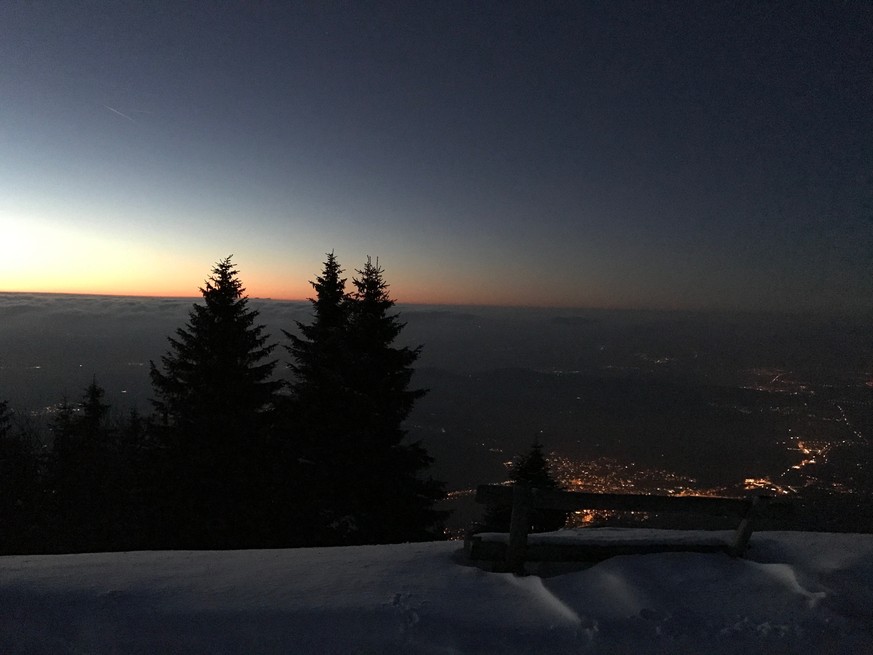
<point>519,524</point>
<point>744,529</point>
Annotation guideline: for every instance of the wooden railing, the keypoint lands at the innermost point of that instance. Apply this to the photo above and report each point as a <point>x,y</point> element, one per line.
<point>523,499</point>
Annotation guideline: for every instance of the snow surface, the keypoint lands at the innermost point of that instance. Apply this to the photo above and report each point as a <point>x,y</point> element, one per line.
<point>795,593</point>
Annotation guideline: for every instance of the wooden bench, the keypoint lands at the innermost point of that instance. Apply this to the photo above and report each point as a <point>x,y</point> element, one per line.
<point>523,499</point>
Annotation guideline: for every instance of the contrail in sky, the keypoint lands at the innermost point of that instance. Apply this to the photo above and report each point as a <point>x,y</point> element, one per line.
<point>115,111</point>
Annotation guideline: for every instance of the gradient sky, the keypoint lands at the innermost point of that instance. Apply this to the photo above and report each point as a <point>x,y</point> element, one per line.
<point>613,154</point>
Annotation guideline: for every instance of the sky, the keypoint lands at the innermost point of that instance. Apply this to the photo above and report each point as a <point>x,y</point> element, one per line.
<point>585,154</point>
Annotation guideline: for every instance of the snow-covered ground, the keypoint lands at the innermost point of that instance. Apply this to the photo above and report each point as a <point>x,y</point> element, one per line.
<point>795,593</point>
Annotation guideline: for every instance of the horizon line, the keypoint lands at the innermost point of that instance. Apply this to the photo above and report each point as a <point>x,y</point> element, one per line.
<point>484,305</point>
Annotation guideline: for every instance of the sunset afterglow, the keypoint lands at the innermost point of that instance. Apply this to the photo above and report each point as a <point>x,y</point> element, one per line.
<point>599,156</point>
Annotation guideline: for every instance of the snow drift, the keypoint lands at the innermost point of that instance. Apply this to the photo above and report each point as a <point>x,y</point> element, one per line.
<point>795,593</point>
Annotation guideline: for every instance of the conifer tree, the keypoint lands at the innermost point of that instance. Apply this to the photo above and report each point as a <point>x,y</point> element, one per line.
<point>214,398</point>
<point>381,371</point>
<point>531,468</point>
<point>396,503</point>
<point>351,396</point>
<point>85,500</point>
<point>19,478</point>
<point>320,357</point>
<point>215,381</point>
<point>317,411</point>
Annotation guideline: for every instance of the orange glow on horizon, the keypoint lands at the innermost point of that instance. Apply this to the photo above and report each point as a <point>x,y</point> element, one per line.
<point>173,289</point>
<point>39,256</point>
<point>257,287</point>
<point>266,292</point>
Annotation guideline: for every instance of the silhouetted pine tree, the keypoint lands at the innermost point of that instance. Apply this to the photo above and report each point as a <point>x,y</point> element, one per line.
<point>531,468</point>
<point>320,360</point>
<point>214,398</point>
<point>380,373</point>
<point>84,500</point>
<point>19,486</point>
<point>349,397</point>
<point>134,484</point>
<point>394,502</point>
<point>317,410</point>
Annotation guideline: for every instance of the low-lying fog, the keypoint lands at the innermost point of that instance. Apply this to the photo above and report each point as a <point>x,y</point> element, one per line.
<point>699,394</point>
